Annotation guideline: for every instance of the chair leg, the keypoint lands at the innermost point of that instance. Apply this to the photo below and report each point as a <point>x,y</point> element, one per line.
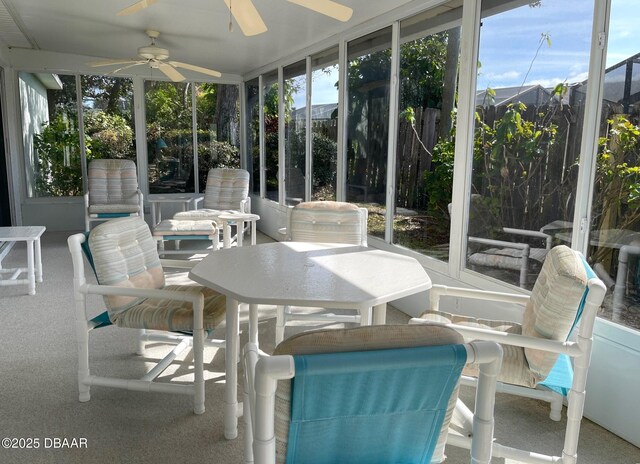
<point>556,407</point>
<point>83,362</point>
<point>248,431</point>
<point>198,369</point>
<point>280,323</point>
<point>198,357</point>
<point>141,343</point>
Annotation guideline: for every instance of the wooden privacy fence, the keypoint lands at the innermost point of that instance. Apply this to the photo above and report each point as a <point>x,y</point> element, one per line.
<point>412,160</point>
<point>526,193</point>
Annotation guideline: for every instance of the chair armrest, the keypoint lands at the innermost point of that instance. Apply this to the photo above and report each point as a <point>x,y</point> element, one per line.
<point>530,233</point>
<point>501,243</point>
<point>108,290</point>
<point>196,201</point>
<point>245,205</point>
<point>504,338</point>
<point>438,291</point>
<point>178,263</point>
<point>140,202</point>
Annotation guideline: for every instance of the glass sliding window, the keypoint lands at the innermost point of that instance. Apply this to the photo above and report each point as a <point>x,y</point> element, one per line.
<point>614,242</point>
<point>527,136</point>
<point>169,136</point>
<point>295,88</point>
<point>324,124</point>
<point>369,61</point>
<point>107,108</point>
<point>217,118</point>
<point>50,134</point>
<point>270,92</point>
<point>424,164</point>
<point>252,126</point>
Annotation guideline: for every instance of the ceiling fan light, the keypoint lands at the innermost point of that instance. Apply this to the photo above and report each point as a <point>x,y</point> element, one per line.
<point>151,52</point>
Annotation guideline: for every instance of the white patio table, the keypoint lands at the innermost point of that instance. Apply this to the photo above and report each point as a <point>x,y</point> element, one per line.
<point>327,275</point>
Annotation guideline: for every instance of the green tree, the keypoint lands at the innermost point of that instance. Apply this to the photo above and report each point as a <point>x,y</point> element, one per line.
<point>109,135</point>
<point>58,156</point>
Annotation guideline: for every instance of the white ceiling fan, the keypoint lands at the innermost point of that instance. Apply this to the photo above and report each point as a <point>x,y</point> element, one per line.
<point>157,58</point>
<point>248,18</point>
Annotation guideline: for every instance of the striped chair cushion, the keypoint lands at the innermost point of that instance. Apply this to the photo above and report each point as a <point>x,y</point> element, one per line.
<point>327,221</point>
<point>112,182</point>
<point>125,255</point>
<point>515,369</point>
<point>357,339</point>
<point>226,188</point>
<point>555,300</point>
<point>173,227</point>
<point>506,258</point>
<point>203,214</point>
<point>171,315</point>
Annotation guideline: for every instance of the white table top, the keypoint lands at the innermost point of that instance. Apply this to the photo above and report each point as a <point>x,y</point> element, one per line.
<point>311,274</point>
<point>170,199</point>
<point>12,234</point>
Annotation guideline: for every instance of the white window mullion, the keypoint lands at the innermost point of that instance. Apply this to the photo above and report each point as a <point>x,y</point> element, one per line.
<point>463,162</point>
<point>83,147</point>
<point>394,89</point>
<point>341,161</point>
<point>244,118</point>
<point>263,167</point>
<point>281,138</point>
<point>308,163</point>
<point>194,130</point>
<point>592,114</point>
<point>141,135</point>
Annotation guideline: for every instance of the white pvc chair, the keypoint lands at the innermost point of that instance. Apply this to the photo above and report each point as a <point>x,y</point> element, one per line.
<point>324,221</point>
<point>513,254</point>
<point>566,295</point>
<point>367,394</point>
<point>131,279</point>
<point>227,191</point>
<point>113,191</point>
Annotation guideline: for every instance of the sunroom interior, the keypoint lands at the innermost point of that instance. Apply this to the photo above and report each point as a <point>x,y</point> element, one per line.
<point>463,126</point>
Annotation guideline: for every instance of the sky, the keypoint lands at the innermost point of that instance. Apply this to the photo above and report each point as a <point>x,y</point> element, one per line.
<point>509,42</point>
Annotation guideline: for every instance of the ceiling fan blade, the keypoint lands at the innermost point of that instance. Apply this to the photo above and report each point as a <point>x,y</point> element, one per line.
<point>247,17</point>
<point>142,4</point>
<point>97,64</point>
<point>137,63</point>
<point>171,72</point>
<point>195,68</point>
<point>327,7</point>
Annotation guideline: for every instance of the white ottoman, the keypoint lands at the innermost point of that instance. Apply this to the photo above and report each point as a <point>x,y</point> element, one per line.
<point>171,229</point>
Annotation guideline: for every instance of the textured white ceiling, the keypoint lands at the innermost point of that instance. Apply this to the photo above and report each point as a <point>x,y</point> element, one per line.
<point>194,31</point>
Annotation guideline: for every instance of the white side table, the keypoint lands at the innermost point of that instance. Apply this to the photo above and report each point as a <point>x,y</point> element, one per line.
<point>30,235</point>
<point>157,202</point>
<point>239,219</point>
